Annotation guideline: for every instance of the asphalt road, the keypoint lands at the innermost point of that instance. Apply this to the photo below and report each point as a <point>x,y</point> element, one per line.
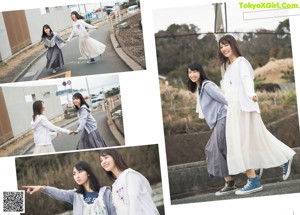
<point>109,62</point>
<point>66,143</point>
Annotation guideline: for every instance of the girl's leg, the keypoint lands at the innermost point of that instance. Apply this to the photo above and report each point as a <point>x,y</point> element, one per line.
<point>228,188</point>
<point>253,184</point>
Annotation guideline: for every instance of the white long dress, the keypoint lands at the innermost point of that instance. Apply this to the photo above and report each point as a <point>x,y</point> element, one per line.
<point>88,47</point>
<point>249,144</point>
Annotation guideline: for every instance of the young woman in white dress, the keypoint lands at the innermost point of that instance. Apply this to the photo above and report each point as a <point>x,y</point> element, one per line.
<point>89,48</point>
<point>131,191</point>
<point>249,144</point>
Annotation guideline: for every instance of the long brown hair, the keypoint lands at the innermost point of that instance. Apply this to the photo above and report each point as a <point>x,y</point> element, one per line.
<point>77,15</point>
<point>37,108</point>
<point>119,162</point>
<point>228,39</point>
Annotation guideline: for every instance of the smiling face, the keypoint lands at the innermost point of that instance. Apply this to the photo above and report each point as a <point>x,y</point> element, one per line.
<point>76,102</point>
<point>81,177</point>
<point>47,31</point>
<point>73,17</point>
<point>226,50</point>
<point>108,163</point>
<point>194,76</point>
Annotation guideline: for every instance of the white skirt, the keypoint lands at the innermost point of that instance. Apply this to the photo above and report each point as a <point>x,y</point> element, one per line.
<point>89,47</point>
<point>40,149</point>
<point>249,144</point>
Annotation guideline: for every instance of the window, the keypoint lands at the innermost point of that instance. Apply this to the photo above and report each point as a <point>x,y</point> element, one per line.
<point>45,10</point>
<point>46,94</point>
<point>30,98</point>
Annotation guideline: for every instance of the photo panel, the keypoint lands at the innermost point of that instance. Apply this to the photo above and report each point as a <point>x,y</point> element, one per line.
<point>55,103</point>
<point>71,40</point>
<point>65,172</point>
<point>193,36</point>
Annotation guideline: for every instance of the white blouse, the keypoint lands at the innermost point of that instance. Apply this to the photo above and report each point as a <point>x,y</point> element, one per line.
<point>239,77</point>
<point>131,194</point>
<point>79,28</point>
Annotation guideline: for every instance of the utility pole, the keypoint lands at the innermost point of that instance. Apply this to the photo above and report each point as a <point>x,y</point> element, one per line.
<point>220,27</point>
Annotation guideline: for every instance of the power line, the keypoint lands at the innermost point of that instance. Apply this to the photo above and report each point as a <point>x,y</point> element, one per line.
<point>198,34</point>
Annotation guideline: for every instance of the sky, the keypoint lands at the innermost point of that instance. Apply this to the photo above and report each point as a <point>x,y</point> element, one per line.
<point>203,17</point>
<point>95,82</point>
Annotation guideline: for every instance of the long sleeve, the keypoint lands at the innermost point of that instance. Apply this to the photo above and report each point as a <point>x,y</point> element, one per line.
<point>247,75</point>
<point>83,115</point>
<point>60,39</point>
<point>133,182</point>
<point>109,203</point>
<point>45,122</point>
<point>87,25</point>
<point>60,194</point>
<point>215,92</point>
<point>71,35</point>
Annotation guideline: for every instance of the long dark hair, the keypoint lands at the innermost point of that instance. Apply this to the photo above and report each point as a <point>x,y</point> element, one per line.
<point>94,183</point>
<point>77,15</point>
<point>228,39</point>
<point>119,162</point>
<point>195,66</point>
<point>43,32</point>
<point>37,108</point>
<point>82,100</point>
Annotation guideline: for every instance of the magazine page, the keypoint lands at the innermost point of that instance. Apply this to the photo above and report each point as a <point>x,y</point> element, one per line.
<point>139,107</point>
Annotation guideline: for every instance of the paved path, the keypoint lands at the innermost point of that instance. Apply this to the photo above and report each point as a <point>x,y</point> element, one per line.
<point>282,187</point>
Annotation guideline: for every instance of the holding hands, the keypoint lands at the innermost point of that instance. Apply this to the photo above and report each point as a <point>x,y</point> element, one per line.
<point>73,133</point>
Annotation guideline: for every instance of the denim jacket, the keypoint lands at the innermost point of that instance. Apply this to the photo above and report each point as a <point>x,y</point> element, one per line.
<point>86,120</point>
<point>212,102</point>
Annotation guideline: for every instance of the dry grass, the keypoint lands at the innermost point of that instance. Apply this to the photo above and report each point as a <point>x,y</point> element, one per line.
<point>271,72</point>
<point>179,107</point>
<point>56,170</point>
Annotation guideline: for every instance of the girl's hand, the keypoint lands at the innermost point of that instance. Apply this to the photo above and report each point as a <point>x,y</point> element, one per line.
<point>33,189</point>
<point>73,133</point>
<point>254,98</point>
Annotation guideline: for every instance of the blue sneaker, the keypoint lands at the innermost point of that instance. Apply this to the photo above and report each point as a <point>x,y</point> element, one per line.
<point>253,185</point>
<point>286,169</point>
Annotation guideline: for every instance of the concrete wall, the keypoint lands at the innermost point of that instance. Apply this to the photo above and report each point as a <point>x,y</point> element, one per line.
<point>20,110</point>
<point>192,178</point>
<point>58,19</point>
<point>5,50</point>
<point>187,166</point>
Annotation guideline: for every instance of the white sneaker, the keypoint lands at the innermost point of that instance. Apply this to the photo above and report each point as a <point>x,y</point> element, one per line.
<point>53,71</point>
<point>91,61</point>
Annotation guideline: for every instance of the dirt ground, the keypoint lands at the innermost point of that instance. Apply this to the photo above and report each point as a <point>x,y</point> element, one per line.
<point>11,68</point>
<point>16,146</point>
<point>131,39</point>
